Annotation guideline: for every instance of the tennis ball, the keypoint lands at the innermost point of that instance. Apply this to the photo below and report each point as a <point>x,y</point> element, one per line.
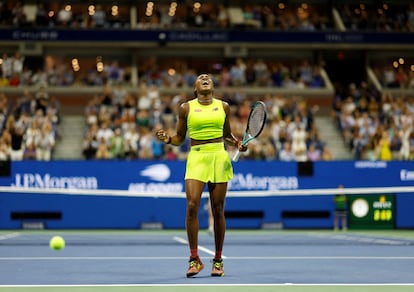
<point>57,243</point>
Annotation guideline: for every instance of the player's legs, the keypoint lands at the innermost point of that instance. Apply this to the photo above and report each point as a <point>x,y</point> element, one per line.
<point>210,218</point>
<point>217,196</point>
<point>194,190</point>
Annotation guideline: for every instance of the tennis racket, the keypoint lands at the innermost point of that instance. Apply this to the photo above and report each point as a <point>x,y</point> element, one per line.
<point>255,125</point>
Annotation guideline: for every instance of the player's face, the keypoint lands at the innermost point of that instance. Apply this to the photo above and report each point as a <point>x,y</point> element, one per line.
<point>204,84</point>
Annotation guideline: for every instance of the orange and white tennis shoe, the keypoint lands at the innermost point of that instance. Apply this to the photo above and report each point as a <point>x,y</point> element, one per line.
<point>195,267</point>
<point>218,269</point>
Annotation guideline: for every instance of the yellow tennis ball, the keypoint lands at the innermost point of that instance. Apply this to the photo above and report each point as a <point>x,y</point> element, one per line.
<point>57,243</point>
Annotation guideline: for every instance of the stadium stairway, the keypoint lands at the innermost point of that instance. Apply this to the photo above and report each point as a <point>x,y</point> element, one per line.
<point>331,135</point>
<point>71,132</point>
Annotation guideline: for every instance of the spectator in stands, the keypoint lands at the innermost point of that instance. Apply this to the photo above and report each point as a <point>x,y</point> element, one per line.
<point>395,145</point>
<point>286,153</point>
<point>45,143</point>
<point>317,79</point>
<point>144,100</point>
<point>7,66</point>
<point>42,100</point>
<point>117,144</point>
<point>105,133</point>
<point>99,18</point>
<point>114,72</point>
<point>39,78</point>
<point>103,150</point>
<point>32,132</point>
<point>223,19</point>
<point>238,73</point>
<point>41,19</point>
<point>4,150</point>
<point>131,137</point>
<point>157,146</point>
<point>30,152</point>
<point>405,150</point>
<point>389,77</point>
<point>18,15</point>
<point>4,110</point>
<point>18,64</point>
<point>313,153</point>
<point>384,146</point>
<point>17,145</point>
<point>90,146</point>
<point>6,137</point>
<point>64,16</point>
<point>121,98</point>
<point>261,73</point>
<point>299,150</point>
<point>145,143</point>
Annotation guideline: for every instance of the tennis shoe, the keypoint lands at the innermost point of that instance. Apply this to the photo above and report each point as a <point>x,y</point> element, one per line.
<point>195,266</point>
<point>218,269</point>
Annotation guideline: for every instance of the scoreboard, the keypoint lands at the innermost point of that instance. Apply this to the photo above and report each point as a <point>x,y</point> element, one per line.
<point>372,211</point>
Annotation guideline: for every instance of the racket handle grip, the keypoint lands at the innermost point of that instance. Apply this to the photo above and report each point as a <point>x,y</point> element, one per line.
<point>236,156</point>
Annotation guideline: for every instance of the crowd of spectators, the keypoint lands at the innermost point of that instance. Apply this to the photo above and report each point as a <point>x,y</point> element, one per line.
<point>378,16</point>
<point>395,74</point>
<point>375,125</point>
<point>121,125</point>
<point>16,72</point>
<point>153,15</point>
<point>287,16</point>
<point>29,126</point>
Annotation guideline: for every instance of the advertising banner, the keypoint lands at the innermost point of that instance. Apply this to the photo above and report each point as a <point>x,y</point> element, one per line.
<point>168,177</point>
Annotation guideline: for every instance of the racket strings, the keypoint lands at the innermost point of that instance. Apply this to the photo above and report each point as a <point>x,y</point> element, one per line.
<point>256,120</point>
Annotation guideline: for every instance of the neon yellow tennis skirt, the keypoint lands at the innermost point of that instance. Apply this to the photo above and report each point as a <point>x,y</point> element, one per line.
<point>209,163</point>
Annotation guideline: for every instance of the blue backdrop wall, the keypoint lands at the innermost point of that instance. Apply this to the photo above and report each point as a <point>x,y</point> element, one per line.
<point>133,194</point>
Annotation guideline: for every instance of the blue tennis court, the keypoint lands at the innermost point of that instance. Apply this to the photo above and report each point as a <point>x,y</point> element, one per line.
<point>159,258</point>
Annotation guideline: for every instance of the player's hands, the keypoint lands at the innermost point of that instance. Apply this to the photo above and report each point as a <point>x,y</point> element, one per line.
<point>163,136</point>
<point>241,147</point>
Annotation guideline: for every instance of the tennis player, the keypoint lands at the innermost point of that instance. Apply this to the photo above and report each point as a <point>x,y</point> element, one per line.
<point>207,121</point>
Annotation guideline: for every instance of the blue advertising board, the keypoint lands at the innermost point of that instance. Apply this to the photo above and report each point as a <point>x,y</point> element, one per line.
<point>162,176</point>
<point>163,182</point>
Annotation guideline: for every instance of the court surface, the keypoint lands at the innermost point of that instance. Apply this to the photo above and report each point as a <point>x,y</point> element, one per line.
<point>255,260</point>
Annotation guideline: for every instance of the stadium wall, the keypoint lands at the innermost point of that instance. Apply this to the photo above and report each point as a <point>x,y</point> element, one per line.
<point>150,194</point>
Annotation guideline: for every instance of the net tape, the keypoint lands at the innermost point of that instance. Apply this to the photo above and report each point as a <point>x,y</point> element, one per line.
<point>270,193</point>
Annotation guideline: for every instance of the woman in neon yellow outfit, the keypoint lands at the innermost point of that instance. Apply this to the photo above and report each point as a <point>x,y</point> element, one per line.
<point>206,119</point>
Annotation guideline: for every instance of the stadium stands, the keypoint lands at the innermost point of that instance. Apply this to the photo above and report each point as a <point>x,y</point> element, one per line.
<point>134,90</point>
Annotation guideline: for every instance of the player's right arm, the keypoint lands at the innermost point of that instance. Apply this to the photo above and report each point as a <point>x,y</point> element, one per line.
<point>181,128</point>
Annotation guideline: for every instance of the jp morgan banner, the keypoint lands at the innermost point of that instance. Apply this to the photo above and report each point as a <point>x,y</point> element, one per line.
<point>168,177</point>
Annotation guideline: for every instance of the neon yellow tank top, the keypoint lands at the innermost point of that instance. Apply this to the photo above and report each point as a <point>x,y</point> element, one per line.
<point>205,122</point>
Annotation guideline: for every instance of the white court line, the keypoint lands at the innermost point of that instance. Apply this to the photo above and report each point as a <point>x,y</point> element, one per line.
<point>209,285</point>
<point>9,235</point>
<point>202,248</point>
<point>230,258</point>
<point>365,239</point>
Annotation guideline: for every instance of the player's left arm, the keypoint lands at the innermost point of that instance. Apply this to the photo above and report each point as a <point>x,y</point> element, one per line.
<point>228,136</point>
